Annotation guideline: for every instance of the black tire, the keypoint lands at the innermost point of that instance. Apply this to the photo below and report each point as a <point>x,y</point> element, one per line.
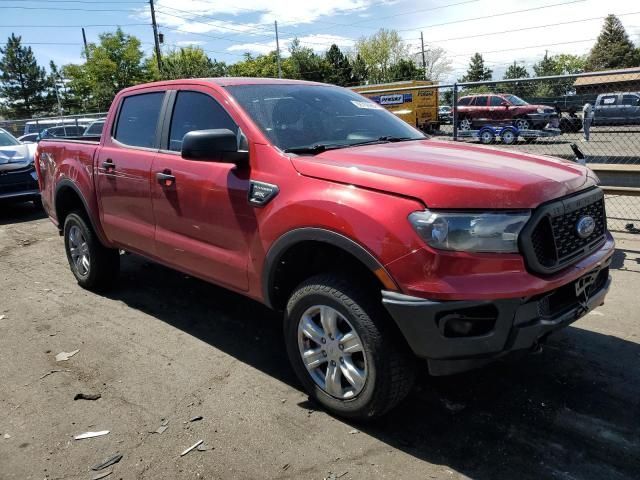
<point>104,263</point>
<point>390,365</point>
<point>519,122</point>
<point>465,124</point>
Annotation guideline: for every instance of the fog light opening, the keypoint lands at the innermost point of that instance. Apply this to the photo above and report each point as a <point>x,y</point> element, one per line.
<point>468,322</point>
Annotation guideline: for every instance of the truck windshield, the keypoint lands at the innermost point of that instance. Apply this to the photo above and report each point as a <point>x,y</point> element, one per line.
<point>515,100</point>
<point>7,140</point>
<point>295,116</point>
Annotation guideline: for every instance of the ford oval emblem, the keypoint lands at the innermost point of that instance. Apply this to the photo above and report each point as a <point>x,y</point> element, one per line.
<point>585,226</point>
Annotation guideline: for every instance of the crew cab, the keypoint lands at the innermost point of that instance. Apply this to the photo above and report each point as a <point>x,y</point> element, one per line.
<point>377,243</point>
<point>621,108</point>
<point>502,109</point>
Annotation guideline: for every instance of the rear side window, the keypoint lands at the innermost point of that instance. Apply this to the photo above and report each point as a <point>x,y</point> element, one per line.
<point>633,100</point>
<point>609,100</point>
<point>481,101</point>
<point>464,101</point>
<point>196,111</point>
<point>138,120</point>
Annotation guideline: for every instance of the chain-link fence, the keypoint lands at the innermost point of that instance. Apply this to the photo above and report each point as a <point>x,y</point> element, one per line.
<point>592,115</point>
<point>74,124</point>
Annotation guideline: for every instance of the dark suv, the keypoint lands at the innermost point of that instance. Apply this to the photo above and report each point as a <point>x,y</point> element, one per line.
<point>493,109</point>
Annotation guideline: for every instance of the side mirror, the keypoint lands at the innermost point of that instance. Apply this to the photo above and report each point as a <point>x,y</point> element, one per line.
<point>505,104</point>
<point>220,145</point>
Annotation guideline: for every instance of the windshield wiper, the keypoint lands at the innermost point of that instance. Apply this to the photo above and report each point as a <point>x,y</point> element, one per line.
<point>322,147</point>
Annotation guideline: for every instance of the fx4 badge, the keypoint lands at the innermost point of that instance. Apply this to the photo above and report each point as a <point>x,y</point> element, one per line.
<point>261,193</point>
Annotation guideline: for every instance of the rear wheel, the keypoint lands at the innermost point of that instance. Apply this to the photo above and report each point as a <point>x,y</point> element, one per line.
<point>344,350</point>
<point>93,265</point>
<point>487,137</point>
<point>508,137</point>
<point>465,124</point>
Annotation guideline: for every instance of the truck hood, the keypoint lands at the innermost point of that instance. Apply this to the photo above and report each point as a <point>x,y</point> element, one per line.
<point>450,175</point>
<point>16,156</point>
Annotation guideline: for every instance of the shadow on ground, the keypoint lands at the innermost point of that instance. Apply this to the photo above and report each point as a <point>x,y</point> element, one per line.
<point>571,412</point>
<point>11,212</point>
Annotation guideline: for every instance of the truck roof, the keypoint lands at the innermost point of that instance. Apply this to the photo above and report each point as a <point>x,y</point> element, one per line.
<point>224,82</point>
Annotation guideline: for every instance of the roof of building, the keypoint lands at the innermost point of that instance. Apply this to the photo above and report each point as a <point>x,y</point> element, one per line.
<point>611,76</point>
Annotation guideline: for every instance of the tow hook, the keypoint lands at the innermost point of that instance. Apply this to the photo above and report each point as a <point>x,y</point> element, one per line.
<point>537,348</point>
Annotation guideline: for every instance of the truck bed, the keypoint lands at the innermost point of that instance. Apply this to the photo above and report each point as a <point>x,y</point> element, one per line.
<point>66,158</point>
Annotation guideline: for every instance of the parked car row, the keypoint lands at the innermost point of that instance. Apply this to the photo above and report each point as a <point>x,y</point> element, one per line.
<point>18,178</point>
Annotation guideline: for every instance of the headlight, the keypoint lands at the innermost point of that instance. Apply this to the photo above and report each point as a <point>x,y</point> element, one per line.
<point>470,231</point>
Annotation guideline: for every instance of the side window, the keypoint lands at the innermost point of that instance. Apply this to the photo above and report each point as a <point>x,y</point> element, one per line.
<point>464,101</point>
<point>481,101</point>
<point>495,101</point>
<point>138,119</point>
<point>632,100</point>
<point>609,100</point>
<point>196,111</point>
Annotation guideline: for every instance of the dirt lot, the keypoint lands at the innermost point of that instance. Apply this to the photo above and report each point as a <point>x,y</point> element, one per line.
<point>163,346</point>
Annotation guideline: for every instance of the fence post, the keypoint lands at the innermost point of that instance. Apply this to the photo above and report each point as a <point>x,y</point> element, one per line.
<point>455,111</point>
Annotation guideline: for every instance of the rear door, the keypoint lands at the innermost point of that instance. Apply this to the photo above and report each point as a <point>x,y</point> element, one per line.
<point>480,111</point>
<point>202,212</point>
<point>124,171</point>
<point>607,111</point>
<point>631,108</point>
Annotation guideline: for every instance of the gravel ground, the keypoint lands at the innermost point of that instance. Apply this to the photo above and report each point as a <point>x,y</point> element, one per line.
<point>165,346</point>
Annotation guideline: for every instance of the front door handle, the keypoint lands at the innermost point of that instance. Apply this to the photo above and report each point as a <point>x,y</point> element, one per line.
<point>108,165</point>
<point>165,178</point>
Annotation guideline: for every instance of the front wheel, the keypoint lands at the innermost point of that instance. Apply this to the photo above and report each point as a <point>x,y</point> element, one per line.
<point>522,124</point>
<point>344,350</point>
<point>93,265</point>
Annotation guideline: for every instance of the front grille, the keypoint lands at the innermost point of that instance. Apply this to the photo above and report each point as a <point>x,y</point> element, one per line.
<point>551,241</point>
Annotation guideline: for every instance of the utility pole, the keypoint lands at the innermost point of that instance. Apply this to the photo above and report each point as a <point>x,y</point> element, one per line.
<point>424,61</point>
<point>86,47</point>
<point>278,50</point>
<point>155,34</point>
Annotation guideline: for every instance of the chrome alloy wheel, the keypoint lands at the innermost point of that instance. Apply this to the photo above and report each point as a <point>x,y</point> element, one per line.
<point>332,352</point>
<point>465,124</point>
<point>79,251</point>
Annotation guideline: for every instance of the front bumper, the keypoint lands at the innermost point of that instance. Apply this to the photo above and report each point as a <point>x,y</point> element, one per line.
<point>20,184</point>
<point>455,336</point>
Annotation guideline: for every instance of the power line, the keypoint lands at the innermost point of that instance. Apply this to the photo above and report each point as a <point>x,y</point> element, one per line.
<point>494,15</point>
<point>529,28</point>
<point>57,9</point>
<point>78,26</point>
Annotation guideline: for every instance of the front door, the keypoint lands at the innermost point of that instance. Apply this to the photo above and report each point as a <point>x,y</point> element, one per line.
<point>201,207</point>
<point>124,173</point>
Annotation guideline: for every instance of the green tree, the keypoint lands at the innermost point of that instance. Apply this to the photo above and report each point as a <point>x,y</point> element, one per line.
<point>114,64</point>
<point>359,71</point>
<point>563,64</point>
<point>23,83</point>
<point>519,88</point>
<point>339,71</point>
<point>405,70</point>
<point>187,62</point>
<point>380,52</point>
<point>306,64</point>
<point>613,49</point>
<point>477,71</point>
<point>261,66</point>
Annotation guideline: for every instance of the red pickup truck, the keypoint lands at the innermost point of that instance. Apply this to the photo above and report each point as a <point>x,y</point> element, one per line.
<point>379,245</point>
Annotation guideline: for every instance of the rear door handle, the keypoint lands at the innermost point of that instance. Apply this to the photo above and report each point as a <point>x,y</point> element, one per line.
<point>165,178</point>
<point>108,164</point>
